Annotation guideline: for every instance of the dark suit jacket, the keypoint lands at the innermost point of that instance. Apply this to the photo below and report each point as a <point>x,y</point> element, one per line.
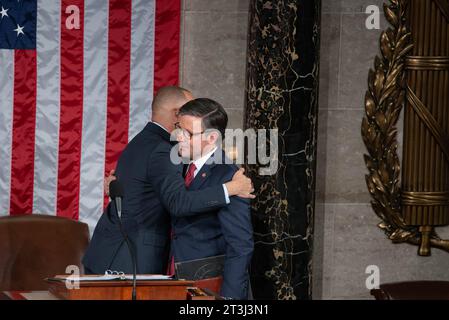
<point>225,231</point>
<point>152,185</point>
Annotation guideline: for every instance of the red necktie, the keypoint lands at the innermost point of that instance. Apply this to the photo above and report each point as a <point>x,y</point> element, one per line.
<point>190,175</point>
<point>188,180</point>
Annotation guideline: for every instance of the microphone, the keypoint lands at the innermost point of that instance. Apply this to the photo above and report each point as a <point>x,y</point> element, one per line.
<point>116,193</point>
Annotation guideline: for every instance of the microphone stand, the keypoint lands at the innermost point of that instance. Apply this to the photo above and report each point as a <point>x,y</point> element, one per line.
<point>133,256</point>
<point>116,193</point>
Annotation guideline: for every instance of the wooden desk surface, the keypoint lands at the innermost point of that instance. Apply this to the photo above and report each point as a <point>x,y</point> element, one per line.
<point>127,283</point>
<point>121,290</point>
<point>114,290</point>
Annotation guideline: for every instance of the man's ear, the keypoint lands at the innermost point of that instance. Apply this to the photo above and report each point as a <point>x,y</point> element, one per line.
<point>213,136</point>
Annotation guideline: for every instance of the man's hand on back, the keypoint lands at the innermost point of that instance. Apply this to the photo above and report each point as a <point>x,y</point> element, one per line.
<point>240,185</point>
<point>108,180</point>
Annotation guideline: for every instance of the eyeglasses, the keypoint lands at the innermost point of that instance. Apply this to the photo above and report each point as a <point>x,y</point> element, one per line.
<point>186,133</point>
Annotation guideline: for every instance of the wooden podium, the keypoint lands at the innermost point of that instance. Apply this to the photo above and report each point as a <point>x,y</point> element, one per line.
<point>121,290</point>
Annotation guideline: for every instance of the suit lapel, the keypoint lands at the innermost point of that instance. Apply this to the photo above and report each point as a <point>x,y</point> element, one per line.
<point>201,176</point>
<point>206,171</point>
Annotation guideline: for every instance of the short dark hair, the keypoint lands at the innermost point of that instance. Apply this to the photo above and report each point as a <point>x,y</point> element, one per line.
<point>166,94</point>
<point>212,114</point>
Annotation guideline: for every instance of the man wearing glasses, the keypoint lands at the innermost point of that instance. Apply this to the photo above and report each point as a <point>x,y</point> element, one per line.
<point>152,186</point>
<point>221,231</point>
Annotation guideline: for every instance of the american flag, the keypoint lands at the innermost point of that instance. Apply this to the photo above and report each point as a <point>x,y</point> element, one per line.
<point>76,83</point>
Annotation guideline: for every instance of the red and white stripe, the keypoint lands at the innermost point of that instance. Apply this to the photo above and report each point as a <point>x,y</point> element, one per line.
<point>69,107</point>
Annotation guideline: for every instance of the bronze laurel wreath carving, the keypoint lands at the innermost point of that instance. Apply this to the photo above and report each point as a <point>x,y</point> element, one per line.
<point>384,100</point>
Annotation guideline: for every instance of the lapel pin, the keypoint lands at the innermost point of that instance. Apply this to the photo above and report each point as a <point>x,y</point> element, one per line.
<point>204,175</point>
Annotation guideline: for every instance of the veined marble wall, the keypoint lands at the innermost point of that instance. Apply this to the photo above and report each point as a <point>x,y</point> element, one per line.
<point>282,85</point>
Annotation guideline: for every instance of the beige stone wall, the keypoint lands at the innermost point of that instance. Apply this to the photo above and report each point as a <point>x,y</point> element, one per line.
<point>213,54</point>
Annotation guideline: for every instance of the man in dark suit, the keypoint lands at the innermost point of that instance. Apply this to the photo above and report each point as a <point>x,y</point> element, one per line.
<point>152,185</point>
<point>226,230</point>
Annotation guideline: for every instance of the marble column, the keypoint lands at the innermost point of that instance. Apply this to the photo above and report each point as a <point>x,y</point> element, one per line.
<point>282,91</point>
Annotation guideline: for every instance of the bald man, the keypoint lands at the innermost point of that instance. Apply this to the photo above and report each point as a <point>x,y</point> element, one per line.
<point>153,187</point>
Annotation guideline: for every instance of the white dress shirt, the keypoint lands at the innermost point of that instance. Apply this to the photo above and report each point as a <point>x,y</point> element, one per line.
<point>199,163</point>
<point>159,125</point>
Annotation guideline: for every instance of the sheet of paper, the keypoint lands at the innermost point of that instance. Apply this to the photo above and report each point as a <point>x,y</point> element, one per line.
<point>112,277</point>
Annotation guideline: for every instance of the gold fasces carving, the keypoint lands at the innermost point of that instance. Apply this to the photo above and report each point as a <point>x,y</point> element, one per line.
<point>437,63</point>
<point>412,198</point>
<point>444,7</point>
<point>384,100</point>
<point>430,122</point>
